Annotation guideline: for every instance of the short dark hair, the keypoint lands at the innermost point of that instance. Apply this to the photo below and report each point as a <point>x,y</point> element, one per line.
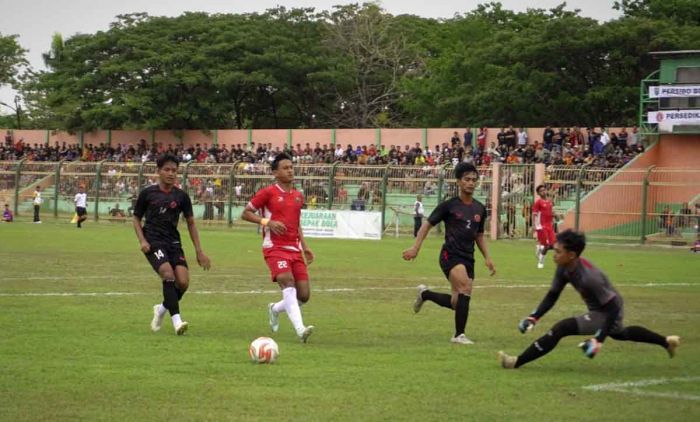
<point>572,241</point>
<point>276,162</point>
<point>464,168</point>
<point>537,189</point>
<point>164,158</point>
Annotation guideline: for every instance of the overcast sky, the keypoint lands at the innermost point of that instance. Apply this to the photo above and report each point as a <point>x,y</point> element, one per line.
<point>35,21</point>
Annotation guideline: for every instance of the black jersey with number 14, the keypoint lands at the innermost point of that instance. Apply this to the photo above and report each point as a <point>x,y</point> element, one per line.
<point>463,222</point>
<point>162,211</point>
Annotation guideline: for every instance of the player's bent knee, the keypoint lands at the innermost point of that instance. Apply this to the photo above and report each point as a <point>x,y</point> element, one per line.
<point>285,280</point>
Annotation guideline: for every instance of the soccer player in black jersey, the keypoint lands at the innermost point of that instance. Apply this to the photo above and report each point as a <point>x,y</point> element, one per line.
<point>162,204</point>
<point>605,308</point>
<point>464,219</point>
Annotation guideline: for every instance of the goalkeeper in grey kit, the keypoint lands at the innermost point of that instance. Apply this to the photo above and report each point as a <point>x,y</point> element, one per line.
<point>605,308</point>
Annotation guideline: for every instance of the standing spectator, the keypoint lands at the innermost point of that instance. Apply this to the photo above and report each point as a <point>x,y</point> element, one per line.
<point>685,216</point>
<point>667,223</point>
<point>522,138</point>
<point>468,137</point>
<point>37,204</point>
<point>511,137</point>
<point>501,136</point>
<point>455,139</point>
<point>623,138</point>
<point>633,138</point>
<point>481,138</point>
<point>418,212</point>
<point>548,137</point>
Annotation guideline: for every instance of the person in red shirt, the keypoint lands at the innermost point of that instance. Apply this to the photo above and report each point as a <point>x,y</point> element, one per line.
<point>277,208</point>
<point>543,219</point>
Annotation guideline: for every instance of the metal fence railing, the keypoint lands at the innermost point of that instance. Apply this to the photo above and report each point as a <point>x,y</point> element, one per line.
<point>643,204</point>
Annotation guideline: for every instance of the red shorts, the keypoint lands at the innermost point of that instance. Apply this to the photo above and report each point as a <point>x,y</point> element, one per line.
<point>546,237</point>
<point>281,261</point>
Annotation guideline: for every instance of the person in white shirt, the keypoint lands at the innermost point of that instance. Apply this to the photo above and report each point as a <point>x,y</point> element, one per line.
<point>81,205</point>
<point>339,152</point>
<point>418,213</point>
<point>522,137</point>
<point>37,204</point>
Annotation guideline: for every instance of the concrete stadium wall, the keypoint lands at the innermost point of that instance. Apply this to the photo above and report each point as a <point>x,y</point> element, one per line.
<point>622,194</point>
<point>278,137</point>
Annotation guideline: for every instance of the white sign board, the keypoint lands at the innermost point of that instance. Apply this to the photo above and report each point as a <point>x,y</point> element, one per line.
<point>669,91</point>
<point>342,224</point>
<point>666,119</point>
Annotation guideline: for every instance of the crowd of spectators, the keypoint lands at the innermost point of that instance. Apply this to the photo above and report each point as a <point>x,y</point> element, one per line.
<point>563,146</point>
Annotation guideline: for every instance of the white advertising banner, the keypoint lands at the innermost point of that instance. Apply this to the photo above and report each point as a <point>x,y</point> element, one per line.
<point>669,91</point>
<point>342,224</point>
<point>666,119</point>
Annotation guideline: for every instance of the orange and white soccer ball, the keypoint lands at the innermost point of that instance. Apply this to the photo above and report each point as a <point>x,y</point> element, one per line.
<point>263,350</point>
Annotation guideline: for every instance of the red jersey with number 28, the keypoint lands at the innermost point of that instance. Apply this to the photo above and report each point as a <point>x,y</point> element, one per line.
<point>544,207</point>
<point>275,203</point>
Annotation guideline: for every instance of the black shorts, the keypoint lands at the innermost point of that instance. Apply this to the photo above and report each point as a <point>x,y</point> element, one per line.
<point>80,211</point>
<point>449,261</point>
<point>161,253</point>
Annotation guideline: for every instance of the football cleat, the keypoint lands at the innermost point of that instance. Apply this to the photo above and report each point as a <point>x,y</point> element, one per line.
<point>274,318</point>
<point>304,336</point>
<point>157,320</point>
<point>181,328</point>
<point>673,343</point>
<point>461,339</point>
<point>419,300</point>
<point>507,361</point>
<point>540,265</point>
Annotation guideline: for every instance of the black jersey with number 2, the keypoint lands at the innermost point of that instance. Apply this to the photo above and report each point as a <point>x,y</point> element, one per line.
<point>162,211</point>
<point>462,224</point>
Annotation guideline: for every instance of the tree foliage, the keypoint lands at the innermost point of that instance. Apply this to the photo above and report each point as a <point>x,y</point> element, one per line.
<point>354,66</point>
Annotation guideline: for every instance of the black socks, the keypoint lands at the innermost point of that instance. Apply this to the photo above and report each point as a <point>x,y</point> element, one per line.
<point>170,297</point>
<point>461,313</point>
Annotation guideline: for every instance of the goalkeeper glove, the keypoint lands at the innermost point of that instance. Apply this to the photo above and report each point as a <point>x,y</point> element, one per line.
<point>591,347</point>
<point>527,324</point>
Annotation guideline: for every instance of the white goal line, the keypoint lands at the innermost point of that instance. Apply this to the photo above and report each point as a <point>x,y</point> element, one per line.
<point>635,388</point>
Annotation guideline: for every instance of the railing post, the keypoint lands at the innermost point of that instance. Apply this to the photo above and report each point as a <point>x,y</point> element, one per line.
<point>231,187</point>
<point>384,189</point>
<point>184,174</point>
<point>577,207</point>
<point>645,206</point>
<point>441,182</point>
<point>98,185</point>
<point>17,180</point>
<point>331,185</point>
<point>139,179</point>
<point>57,190</point>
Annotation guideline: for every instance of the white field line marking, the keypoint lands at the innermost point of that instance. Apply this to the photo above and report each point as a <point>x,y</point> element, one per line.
<point>633,387</point>
<point>142,276</point>
<point>273,291</point>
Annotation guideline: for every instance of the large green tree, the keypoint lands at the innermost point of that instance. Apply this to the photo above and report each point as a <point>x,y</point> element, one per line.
<point>355,66</point>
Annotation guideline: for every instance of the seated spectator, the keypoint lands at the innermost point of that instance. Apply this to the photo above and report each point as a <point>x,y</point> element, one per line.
<point>7,216</point>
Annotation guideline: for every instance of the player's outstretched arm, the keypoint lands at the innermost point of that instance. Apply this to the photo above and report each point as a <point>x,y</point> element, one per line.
<point>202,259</point>
<point>481,243</point>
<point>412,252</point>
<point>308,254</point>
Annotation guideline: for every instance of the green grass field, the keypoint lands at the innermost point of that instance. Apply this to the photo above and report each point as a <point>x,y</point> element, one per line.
<point>75,307</point>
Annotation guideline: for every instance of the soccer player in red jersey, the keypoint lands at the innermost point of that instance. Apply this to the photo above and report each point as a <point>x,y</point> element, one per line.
<point>277,208</point>
<point>543,219</point>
